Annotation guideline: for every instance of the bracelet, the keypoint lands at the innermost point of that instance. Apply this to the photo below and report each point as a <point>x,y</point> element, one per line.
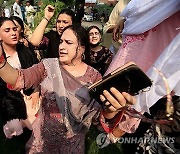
<point>46,19</point>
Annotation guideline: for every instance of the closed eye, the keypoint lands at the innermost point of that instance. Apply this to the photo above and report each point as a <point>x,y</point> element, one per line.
<point>69,42</point>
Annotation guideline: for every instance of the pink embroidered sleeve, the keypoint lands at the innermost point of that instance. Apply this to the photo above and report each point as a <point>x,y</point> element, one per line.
<point>30,77</point>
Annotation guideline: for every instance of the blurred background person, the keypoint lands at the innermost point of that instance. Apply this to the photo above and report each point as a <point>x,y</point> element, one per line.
<point>79,14</point>
<point>7,12</point>
<point>109,26</point>
<point>23,10</point>
<point>30,14</point>
<point>100,57</point>
<point>17,9</point>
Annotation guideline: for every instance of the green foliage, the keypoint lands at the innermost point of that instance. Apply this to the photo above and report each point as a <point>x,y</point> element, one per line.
<point>92,147</point>
<point>1,2</point>
<point>39,15</point>
<point>104,7</point>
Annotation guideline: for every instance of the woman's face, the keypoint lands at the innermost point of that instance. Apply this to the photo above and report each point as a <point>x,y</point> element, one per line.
<point>63,21</point>
<point>70,52</point>
<point>19,29</point>
<point>94,36</point>
<point>9,33</point>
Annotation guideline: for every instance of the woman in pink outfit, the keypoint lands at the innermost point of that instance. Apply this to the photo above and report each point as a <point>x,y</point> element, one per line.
<point>67,111</point>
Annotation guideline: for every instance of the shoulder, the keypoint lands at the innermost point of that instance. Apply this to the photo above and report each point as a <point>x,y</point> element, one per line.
<point>51,33</point>
<point>93,74</point>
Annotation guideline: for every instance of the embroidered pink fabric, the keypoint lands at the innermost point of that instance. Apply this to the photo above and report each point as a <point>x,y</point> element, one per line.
<point>144,49</point>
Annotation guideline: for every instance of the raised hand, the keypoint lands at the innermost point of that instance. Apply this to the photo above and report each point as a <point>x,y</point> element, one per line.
<point>49,12</point>
<point>116,35</point>
<point>13,128</point>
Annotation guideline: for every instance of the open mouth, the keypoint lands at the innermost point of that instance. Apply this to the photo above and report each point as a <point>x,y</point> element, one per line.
<point>14,38</point>
<point>61,54</point>
<point>60,30</point>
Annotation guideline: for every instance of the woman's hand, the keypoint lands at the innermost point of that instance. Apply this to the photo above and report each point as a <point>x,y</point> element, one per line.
<point>49,12</point>
<point>117,30</point>
<point>13,128</point>
<point>35,100</point>
<point>115,101</point>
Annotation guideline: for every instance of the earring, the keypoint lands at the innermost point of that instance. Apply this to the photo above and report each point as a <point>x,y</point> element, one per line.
<point>83,56</point>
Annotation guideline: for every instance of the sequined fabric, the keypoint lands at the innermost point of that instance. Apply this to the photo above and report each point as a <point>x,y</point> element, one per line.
<point>50,132</point>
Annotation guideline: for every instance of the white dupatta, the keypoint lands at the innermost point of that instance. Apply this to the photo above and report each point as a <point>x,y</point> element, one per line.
<point>168,63</point>
<point>142,15</point>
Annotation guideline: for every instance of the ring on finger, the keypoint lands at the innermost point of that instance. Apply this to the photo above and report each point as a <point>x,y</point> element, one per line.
<point>128,105</point>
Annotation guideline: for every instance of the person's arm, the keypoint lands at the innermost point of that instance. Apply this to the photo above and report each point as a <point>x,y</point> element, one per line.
<point>39,31</point>
<point>117,30</point>
<point>114,16</point>
<point>111,116</point>
<point>21,79</point>
<point>115,101</point>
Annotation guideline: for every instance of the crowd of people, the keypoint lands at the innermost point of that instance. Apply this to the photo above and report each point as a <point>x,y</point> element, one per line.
<point>49,95</point>
<point>26,13</point>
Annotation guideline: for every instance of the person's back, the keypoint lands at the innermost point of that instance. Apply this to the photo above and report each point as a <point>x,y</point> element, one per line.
<point>30,14</point>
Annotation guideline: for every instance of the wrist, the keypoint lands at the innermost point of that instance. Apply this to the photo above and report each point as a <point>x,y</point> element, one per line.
<point>46,19</point>
<point>112,138</point>
<point>109,115</point>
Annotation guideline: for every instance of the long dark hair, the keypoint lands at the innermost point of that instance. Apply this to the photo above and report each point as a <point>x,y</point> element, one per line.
<point>69,12</point>
<point>82,38</point>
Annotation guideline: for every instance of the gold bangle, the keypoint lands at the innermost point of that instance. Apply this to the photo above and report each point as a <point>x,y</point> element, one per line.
<point>46,19</point>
